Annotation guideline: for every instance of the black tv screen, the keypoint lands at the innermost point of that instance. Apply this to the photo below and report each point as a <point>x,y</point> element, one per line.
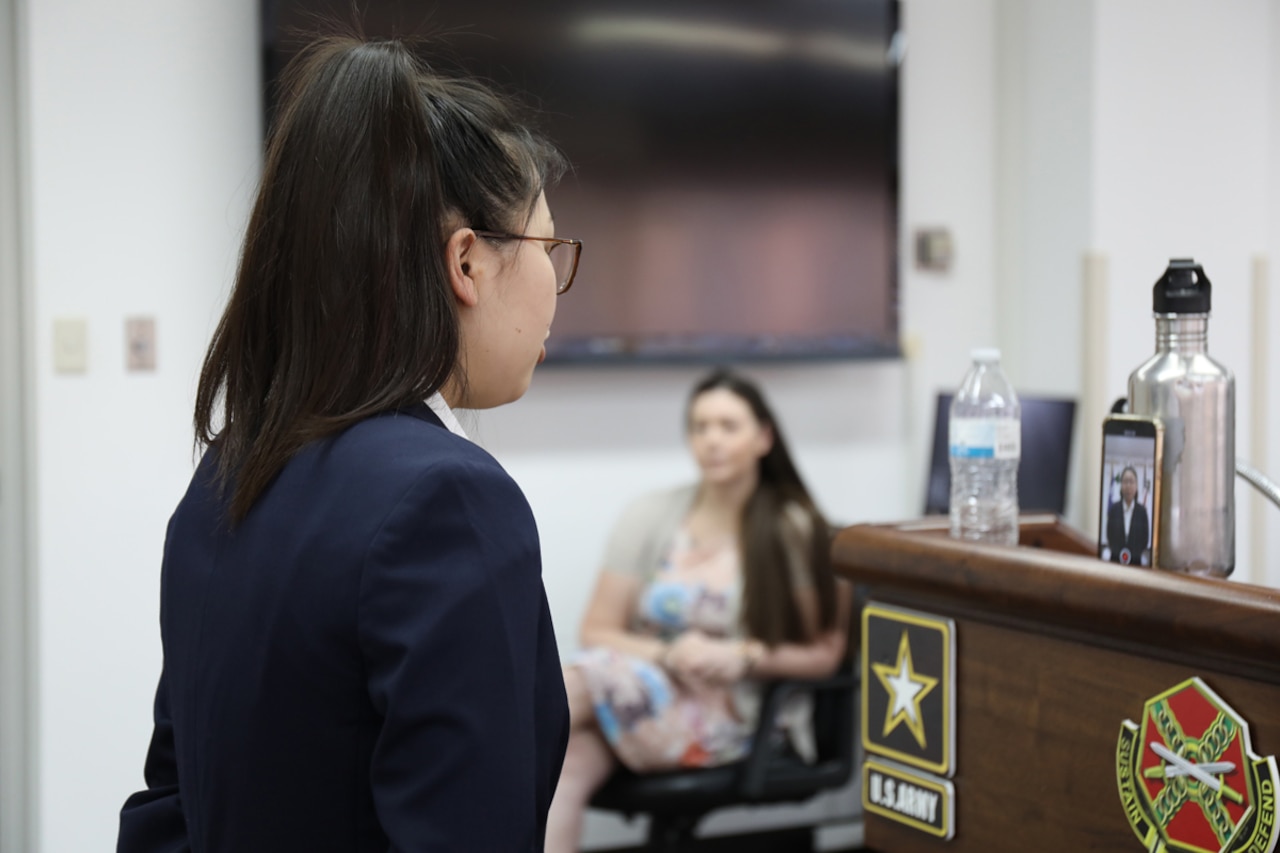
<point>735,176</point>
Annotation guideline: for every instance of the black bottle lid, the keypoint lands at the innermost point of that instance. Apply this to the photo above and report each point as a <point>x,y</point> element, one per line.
<point>1183,289</point>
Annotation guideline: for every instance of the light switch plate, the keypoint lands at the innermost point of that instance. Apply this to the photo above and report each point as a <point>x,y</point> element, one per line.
<point>70,345</point>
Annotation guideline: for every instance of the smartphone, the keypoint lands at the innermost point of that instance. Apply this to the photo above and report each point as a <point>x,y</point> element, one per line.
<point>1132,455</point>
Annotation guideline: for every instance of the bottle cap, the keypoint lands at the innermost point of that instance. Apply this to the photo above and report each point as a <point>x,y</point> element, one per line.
<point>985,355</point>
<point>1183,289</point>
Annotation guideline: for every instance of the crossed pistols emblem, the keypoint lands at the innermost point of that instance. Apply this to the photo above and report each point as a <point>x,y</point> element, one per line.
<point>1189,780</point>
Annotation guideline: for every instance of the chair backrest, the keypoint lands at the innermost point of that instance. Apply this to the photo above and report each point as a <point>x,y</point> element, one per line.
<point>1047,425</point>
<point>833,717</point>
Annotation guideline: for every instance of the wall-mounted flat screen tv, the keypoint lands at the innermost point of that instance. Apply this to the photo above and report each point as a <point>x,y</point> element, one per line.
<point>735,170</point>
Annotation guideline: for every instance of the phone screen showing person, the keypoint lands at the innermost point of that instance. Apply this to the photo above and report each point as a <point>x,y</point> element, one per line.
<point>1131,458</point>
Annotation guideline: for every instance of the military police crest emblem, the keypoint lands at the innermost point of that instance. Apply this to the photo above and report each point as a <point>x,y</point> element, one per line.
<point>1189,779</point>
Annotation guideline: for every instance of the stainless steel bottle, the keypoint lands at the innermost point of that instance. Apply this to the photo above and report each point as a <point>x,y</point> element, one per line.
<point>1195,397</point>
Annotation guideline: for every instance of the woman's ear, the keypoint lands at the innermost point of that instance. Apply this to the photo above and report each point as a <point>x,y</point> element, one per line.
<point>459,261</point>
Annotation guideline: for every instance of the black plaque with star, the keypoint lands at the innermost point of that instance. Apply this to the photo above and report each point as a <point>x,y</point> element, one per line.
<point>908,687</point>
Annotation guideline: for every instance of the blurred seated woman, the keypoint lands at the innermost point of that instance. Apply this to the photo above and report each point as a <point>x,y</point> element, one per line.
<point>706,591</point>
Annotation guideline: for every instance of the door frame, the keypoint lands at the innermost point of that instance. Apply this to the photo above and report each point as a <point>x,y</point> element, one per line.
<point>18,696</point>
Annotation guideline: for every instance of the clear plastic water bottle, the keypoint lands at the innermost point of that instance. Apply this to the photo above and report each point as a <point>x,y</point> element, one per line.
<point>985,437</point>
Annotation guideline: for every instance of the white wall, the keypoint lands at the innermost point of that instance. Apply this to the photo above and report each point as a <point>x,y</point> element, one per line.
<point>144,135</point>
<point>144,140</point>
<point>1183,147</point>
<point>1139,130</point>
<point>948,178</point>
<point>1044,182</point>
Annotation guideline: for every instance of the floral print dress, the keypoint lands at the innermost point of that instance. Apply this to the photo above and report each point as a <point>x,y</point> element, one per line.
<point>651,721</point>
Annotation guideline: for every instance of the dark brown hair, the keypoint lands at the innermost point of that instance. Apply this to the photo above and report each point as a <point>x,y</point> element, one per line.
<point>342,307</point>
<point>770,612</point>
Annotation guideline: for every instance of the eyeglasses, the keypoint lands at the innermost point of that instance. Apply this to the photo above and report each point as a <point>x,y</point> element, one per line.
<point>564,255</point>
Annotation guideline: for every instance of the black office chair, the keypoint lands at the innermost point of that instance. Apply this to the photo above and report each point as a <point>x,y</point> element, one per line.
<point>771,773</point>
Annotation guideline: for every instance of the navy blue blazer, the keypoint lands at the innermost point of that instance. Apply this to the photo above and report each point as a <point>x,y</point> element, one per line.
<point>365,663</point>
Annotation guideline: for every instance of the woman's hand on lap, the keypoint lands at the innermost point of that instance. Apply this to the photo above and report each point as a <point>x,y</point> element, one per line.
<point>696,658</point>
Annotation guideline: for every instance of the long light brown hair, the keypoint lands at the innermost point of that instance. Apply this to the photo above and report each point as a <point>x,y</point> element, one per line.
<point>770,611</point>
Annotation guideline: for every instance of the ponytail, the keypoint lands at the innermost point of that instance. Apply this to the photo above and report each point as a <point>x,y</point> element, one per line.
<point>342,307</point>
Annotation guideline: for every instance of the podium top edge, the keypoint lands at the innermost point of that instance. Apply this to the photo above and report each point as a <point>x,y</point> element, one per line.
<point>1066,588</point>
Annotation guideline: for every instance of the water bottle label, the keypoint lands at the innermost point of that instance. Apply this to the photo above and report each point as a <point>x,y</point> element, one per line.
<point>978,438</point>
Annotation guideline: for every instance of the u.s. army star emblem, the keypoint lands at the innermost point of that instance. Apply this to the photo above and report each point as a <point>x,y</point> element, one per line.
<point>908,693</point>
<point>906,690</point>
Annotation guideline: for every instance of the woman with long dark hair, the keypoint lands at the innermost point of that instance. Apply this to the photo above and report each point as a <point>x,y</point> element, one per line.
<point>358,654</point>
<point>705,592</point>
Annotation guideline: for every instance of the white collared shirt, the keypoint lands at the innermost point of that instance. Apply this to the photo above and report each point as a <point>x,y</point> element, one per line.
<point>437,404</point>
<point>1128,516</point>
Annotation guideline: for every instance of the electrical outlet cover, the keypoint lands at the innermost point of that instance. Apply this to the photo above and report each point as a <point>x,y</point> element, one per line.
<point>140,343</point>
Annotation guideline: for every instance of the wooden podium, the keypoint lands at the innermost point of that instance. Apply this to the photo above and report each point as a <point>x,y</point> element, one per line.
<point>1054,649</point>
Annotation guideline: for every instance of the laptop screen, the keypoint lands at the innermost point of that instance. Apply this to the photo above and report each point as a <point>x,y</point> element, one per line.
<point>1046,456</point>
